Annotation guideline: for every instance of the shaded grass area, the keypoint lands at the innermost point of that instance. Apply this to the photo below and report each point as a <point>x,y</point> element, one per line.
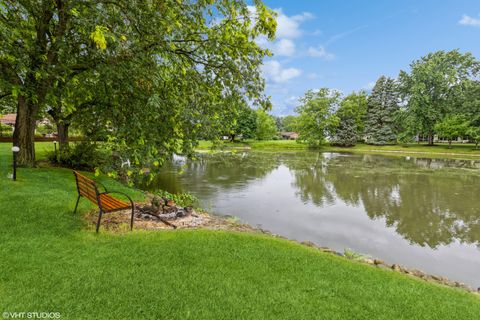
<point>467,151</point>
<point>51,262</point>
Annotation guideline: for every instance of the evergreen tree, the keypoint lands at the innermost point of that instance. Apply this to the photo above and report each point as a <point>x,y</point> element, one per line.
<point>381,107</point>
<point>346,132</point>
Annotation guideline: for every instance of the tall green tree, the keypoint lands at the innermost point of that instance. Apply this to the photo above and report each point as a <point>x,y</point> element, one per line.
<point>289,123</point>
<point>244,124</point>
<point>355,105</point>
<point>350,115</point>
<point>316,118</point>
<point>46,44</point>
<point>452,127</point>
<point>381,107</point>
<point>266,126</point>
<point>433,87</point>
<point>345,132</point>
<point>474,133</point>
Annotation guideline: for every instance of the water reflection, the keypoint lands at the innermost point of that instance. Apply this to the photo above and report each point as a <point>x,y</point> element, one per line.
<point>429,202</point>
<point>427,207</point>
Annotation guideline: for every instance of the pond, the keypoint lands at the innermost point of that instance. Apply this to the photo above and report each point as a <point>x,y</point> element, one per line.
<point>419,213</point>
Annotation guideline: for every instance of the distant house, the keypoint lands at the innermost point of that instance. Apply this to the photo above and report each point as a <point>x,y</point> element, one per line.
<point>289,135</point>
<point>8,119</point>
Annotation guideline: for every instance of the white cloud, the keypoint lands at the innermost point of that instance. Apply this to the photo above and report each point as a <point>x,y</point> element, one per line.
<point>320,52</point>
<point>284,47</point>
<point>469,21</point>
<point>289,27</point>
<point>273,71</point>
<point>313,76</point>
<point>292,102</point>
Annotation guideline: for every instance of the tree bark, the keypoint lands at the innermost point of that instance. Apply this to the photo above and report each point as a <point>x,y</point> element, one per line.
<point>62,130</point>
<point>63,124</point>
<point>430,138</point>
<point>24,134</point>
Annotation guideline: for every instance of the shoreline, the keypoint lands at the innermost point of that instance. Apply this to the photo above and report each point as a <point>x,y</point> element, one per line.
<point>464,152</point>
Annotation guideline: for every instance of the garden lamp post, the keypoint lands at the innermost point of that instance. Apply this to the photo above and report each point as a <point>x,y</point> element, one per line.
<point>55,149</point>
<point>15,150</point>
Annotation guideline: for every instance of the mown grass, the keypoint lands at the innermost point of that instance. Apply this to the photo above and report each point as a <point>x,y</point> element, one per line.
<point>467,151</point>
<point>51,262</point>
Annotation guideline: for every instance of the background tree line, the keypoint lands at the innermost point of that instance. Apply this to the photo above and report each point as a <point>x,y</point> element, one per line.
<point>439,95</point>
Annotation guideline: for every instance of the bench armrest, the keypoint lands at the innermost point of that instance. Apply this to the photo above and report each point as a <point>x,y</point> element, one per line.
<point>119,192</point>
<point>105,188</point>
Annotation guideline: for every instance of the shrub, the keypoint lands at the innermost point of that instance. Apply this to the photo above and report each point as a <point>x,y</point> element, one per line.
<point>182,199</point>
<point>5,130</point>
<point>82,156</point>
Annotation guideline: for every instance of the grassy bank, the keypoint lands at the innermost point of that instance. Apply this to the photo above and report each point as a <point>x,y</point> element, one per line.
<point>439,150</point>
<point>52,262</point>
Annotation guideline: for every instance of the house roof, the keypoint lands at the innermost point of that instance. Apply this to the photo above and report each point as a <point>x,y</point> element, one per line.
<point>8,118</point>
<point>289,133</point>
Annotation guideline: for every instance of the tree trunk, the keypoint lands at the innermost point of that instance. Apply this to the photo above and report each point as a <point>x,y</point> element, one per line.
<point>24,134</point>
<point>62,130</point>
<point>430,138</point>
<point>449,143</point>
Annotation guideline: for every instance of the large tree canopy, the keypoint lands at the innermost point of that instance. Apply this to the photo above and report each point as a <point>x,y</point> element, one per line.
<point>434,87</point>
<point>316,117</point>
<point>161,64</point>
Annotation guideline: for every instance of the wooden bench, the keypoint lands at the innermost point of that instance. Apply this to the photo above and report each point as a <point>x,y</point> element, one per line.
<point>87,188</point>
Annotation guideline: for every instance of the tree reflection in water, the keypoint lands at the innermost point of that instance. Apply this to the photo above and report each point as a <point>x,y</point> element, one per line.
<point>427,201</point>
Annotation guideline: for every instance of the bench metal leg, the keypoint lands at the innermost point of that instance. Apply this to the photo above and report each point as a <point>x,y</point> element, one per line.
<point>76,205</point>
<point>131,220</point>
<point>99,219</point>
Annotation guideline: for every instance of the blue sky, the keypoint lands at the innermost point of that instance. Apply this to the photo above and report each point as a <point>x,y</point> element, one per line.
<point>347,45</point>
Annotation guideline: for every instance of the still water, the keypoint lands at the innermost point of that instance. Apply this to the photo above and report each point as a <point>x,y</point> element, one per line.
<point>420,213</point>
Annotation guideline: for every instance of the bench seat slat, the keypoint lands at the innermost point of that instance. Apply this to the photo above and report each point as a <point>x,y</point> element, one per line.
<point>106,203</point>
<point>109,203</point>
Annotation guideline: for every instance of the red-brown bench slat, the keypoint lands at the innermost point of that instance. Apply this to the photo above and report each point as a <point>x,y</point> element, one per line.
<point>87,188</point>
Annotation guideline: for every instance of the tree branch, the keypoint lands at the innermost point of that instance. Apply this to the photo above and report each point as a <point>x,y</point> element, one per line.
<point>5,95</point>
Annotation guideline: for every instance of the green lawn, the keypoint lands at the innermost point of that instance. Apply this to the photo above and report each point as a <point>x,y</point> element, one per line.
<point>51,262</point>
<point>467,151</point>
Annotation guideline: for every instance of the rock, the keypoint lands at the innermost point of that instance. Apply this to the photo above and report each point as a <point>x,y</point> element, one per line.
<point>158,201</point>
<point>369,261</point>
<point>434,277</point>
<point>378,262</point>
<point>168,216</point>
<point>167,209</point>
<point>396,267</point>
<point>308,243</point>
<point>417,273</point>
<point>181,213</point>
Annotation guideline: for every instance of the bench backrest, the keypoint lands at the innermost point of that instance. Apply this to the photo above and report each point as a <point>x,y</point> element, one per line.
<point>86,187</point>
